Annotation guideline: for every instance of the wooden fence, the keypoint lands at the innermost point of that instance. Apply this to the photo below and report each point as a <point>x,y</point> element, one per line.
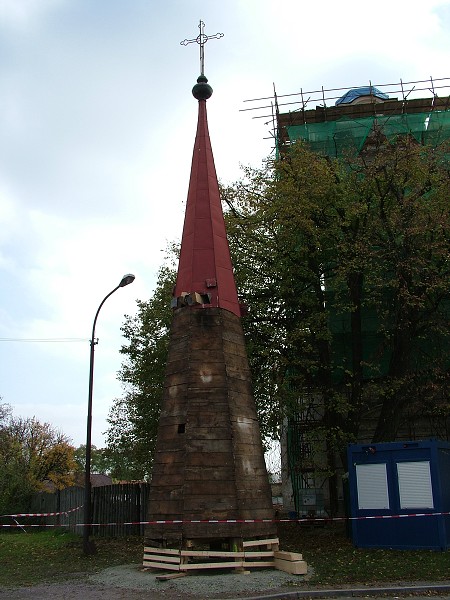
<point>112,506</point>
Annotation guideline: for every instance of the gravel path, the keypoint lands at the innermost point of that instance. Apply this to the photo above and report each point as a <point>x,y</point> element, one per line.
<point>131,583</point>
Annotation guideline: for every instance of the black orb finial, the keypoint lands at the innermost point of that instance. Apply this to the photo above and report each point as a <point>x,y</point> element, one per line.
<point>202,90</point>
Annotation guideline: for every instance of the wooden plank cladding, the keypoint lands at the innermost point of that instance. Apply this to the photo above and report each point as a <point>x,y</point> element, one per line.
<point>209,461</point>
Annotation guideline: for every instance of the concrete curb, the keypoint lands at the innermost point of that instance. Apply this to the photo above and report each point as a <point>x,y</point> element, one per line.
<point>364,591</point>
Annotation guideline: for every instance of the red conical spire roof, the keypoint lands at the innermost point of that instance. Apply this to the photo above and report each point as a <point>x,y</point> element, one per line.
<point>205,264</point>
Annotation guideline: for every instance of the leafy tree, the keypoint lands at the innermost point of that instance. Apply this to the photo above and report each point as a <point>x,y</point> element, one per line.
<point>286,210</point>
<point>100,460</point>
<point>331,244</point>
<point>133,419</point>
<point>31,453</point>
<point>13,488</point>
<point>409,186</point>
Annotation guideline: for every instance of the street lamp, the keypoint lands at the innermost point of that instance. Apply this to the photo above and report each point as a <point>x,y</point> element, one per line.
<point>89,546</point>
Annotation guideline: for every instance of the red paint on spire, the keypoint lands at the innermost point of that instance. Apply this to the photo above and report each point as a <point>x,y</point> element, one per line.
<point>205,263</point>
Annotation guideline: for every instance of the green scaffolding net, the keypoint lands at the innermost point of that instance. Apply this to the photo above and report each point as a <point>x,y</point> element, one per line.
<point>333,138</point>
<point>347,135</point>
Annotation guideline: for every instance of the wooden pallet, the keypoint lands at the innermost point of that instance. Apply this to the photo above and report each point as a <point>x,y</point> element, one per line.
<point>253,554</point>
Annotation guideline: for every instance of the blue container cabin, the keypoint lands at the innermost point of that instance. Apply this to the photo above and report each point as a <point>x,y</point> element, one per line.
<point>395,480</point>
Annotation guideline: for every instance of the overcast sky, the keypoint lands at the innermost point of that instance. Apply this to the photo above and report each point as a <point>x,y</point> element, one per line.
<point>97,126</point>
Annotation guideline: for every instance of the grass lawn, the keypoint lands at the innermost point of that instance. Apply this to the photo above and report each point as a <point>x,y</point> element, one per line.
<point>53,555</point>
<point>336,561</point>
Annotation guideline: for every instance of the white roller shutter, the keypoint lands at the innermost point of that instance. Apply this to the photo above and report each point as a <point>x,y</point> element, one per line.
<point>414,484</point>
<point>372,486</point>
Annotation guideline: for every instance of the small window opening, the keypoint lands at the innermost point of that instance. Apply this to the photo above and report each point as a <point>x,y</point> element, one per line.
<point>181,428</point>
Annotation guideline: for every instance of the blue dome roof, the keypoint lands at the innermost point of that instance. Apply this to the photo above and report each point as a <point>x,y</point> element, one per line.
<point>351,95</point>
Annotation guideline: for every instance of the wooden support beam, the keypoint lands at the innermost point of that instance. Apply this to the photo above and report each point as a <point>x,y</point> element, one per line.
<point>160,565</point>
<point>212,553</point>
<point>153,550</point>
<point>283,555</point>
<point>162,558</point>
<point>296,567</point>
<point>168,576</point>
<point>213,565</point>
<point>250,543</point>
<point>258,564</point>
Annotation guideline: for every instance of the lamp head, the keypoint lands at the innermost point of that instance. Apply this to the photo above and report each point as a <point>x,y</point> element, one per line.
<point>127,279</point>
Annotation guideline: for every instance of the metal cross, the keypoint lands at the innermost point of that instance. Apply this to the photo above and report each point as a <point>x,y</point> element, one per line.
<point>201,40</point>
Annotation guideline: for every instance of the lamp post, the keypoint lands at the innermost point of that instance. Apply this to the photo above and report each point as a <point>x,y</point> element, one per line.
<point>89,546</point>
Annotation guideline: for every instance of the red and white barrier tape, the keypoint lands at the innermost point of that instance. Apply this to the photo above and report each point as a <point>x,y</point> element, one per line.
<point>233,521</point>
<point>49,514</point>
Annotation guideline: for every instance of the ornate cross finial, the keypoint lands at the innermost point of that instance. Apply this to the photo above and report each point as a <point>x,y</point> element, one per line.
<point>201,39</point>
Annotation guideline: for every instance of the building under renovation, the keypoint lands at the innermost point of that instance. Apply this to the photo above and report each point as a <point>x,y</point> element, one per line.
<point>339,123</point>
